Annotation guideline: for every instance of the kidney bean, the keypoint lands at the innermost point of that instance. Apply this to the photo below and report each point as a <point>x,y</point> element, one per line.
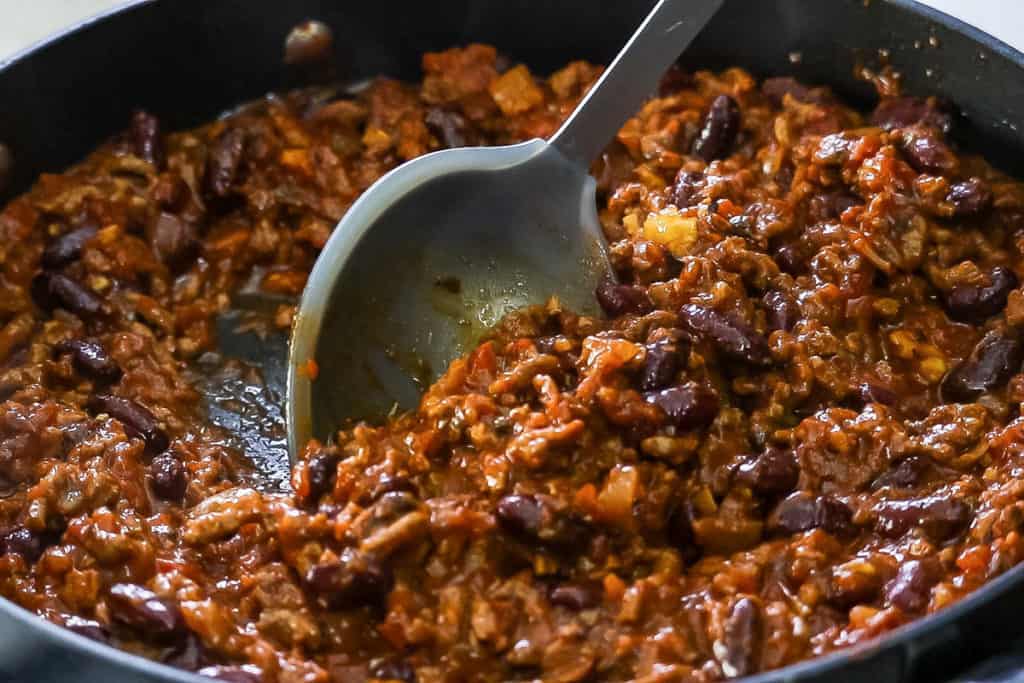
<point>803,512</point>
<point>535,517</point>
<point>832,205</point>
<point>911,589</point>
<point>835,149</point>
<point>23,541</point>
<point>783,310</point>
<point>173,238</point>
<point>775,89</point>
<point>939,518</point>
<point>146,138</point>
<point>686,189</point>
<point>719,129</point>
<point>451,128</point>
<point>142,609</point>
<point>89,628</point>
<point>68,247</point>
<point>791,258</point>
<point>245,673</point>
<point>355,580</point>
<point>741,638</point>
<point>991,364</point>
<point>874,392</point>
<point>321,472</point>
<point>910,472</point>
<point>308,43</point>
<point>660,364</point>
<point>771,473</point>
<point>223,161</point>
<point>617,300</point>
<point>393,670</point>
<point>576,596</point>
<point>975,304</point>
<point>137,420</point>
<point>54,290</point>
<point>729,335</point>
<point>168,477</point>
<point>902,112</point>
<point>970,197</point>
<point>687,406</point>
<point>90,359</point>
<point>927,153</point>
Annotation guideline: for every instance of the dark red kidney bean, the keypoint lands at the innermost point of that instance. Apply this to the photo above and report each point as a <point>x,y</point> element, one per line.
<point>927,153</point>
<point>137,420</point>
<point>686,189</point>
<point>223,161</point>
<point>991,364</point>
<point>687,406</point>
<point>536,518</point>
<point>783,310</point>
<point>245,673</point>
<point>771,473</point>
<point>321,472</point>
<point>908,473</point>
<point>719,129</point>
<point>170,192</point>
<point>729,335</point>
<point>975,304</point>
<point>901,112</point>
<point>392,484</point>
<point>939,518</point>
<point>68,247</point>
<point>832,205</point>
<point>86,627</point>
<point>173,238</point>
<point>969,197</point>
<point>393,670</point>
<point>23,541</point>
<point>355,580</point>
<point>874,392</point>
<point>140,608</point>
<point>56,290</point>
<point>803,512</point>
<point>451,128</point>
<point>168,477</point>
<point>576,596</point>
<point>741,638</point>
<point>911,589</point>
<point>617,300</point>
<point>90,359</point>
<point>147,140</point>
<point>660,364</point>
<point>308,43</point>
<point>791,258</point>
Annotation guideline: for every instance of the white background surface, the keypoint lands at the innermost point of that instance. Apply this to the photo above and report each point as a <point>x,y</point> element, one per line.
<point>22,22</point>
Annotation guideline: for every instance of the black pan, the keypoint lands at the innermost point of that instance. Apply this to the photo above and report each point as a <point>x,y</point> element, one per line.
<point>187,60</point>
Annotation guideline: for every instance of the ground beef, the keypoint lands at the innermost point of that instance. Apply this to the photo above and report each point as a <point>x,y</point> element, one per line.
<point>797,429</point>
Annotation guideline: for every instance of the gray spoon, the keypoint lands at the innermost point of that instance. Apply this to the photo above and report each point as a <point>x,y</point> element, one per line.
<point>440,248</point>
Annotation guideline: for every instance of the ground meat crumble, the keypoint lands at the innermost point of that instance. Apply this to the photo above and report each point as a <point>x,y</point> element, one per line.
<point>797,428</point>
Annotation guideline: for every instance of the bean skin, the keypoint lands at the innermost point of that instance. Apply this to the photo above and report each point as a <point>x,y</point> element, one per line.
<point>68,247</point>
<point>576,596</point>
<point>688,406</point>
<point>729,335</point>
<point>908,473</point>
<point>927,153</point>
<point>173,238</point>
<point>168,477</point>
<point>451,128</point>
<point>911,589</point>
<point>771,473</point>
<point>719,129</point>
<point>686,188</point>
<point>393,670</point>
<point>232,674</point>
<point>534,517</point>
<point>660,365</point>
<point>939,518</point>
<point>617,300</point>
<point>355,580</point>
<point>321,471</point>
<point>991,364</point>
<point>138,421</point>
<point>90,359</point>
<point>142,609</point>
<point>970,197</point>
<point>902,112</point>
<point>783,311</point>
<point>222,163</point>
<point>803,512</point>
<point>55,290</point>
<point>89,628</point>
<point>975,304</point>
<point>28,544</point>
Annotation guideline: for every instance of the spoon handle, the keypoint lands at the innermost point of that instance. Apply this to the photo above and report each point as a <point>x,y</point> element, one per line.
<point>632,76</point>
